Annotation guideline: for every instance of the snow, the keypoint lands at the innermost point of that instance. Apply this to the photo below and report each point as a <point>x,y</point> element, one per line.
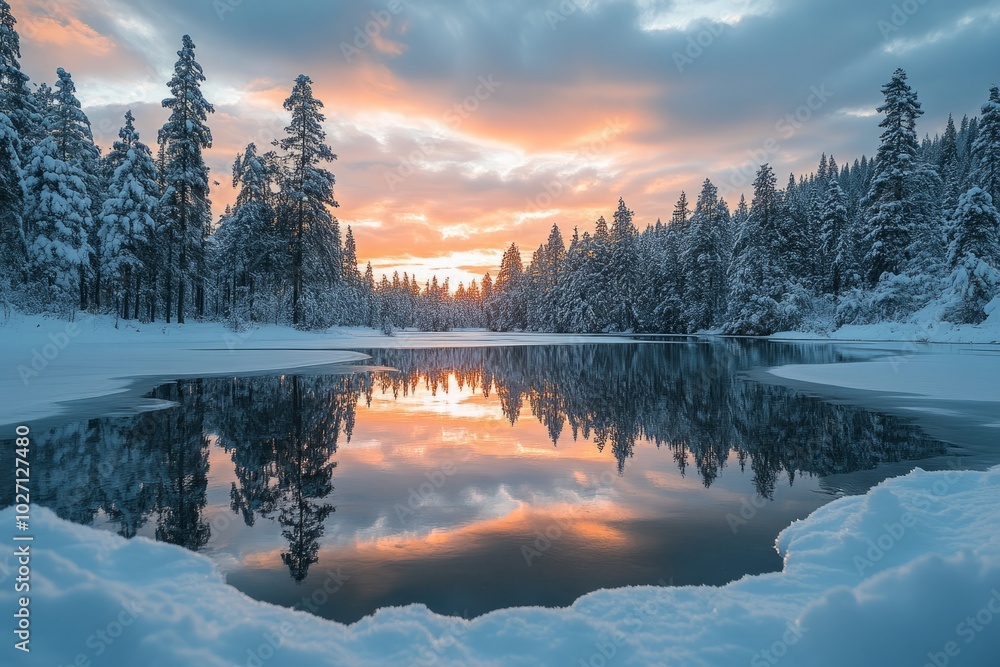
<point>48,362</point>
<point>925,326</point>
<point>960,377</point>
<point>907,574</point>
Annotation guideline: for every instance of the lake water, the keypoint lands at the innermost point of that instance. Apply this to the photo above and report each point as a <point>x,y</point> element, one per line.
<point>475,479</point>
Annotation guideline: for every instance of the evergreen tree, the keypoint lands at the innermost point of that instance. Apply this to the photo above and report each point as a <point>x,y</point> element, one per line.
<point>127,229</point>
<point>250,250</point>
<point>16,101</point>
<point>623,269</point>
<point>350,270</point>
<point>835,239</point>
<point>705,260</point>
<point>898,206</point>
<point>57,213</point>
<point>986,147</point>
<point>307,194</point>
<point>756,280</point>
<point>13,250</point>
<point>974,255</point>
<point>185,205</point>
<point>69,126</point>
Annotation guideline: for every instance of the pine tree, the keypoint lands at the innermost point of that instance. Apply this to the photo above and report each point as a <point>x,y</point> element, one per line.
<point>13,250</point>
<point>307,195</point>
<point>756,280</point>
<point>127,229</point>
<point>986,147</point>
<point>185,206</point>
<point>623,270</point>
<point>16,101</point>
<point>898,206</point>
<point>974,255</point>
<point>681,214</point>
<point>250,252</point>
<point>350,270</point>
<point>69,126</point>
<point>57,214</point>
<point>705,259</point>
<point>835,239</point>
<point>949,165</point>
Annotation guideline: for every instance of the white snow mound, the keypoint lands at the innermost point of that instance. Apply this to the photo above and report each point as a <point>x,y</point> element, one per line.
<point>908,574</point>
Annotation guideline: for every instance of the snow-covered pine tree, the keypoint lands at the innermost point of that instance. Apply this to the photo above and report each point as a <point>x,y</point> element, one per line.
<point>900,206</point>
<point>974,255</point>
<point>185,206</point>
<point>949,166</point>
<point>69,126</point>
<point>127,229</point>
<point>13,250</point>
<point>313,234</point>
<point>756,279</point>
<point>835,239</point>
<point>16,101</point>
<point>623,269</point>
<point>250,251</point>
<point>704,260</point>
<point>57,217</point>
<point>350,271</point>
<point>986,147</point>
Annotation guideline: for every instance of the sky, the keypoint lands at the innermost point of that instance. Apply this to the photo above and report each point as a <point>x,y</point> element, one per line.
<point>464,126</point>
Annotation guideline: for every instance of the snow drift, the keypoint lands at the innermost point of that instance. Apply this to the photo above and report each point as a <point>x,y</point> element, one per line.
<point>907,574</point>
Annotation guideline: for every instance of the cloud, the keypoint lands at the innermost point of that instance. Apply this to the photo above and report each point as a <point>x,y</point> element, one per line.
<point>692,89</point>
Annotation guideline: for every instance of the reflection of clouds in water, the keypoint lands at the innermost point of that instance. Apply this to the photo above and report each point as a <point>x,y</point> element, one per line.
<point>599,433</point>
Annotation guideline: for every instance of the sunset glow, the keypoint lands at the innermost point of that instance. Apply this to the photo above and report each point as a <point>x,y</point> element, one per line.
<point>462,129</point>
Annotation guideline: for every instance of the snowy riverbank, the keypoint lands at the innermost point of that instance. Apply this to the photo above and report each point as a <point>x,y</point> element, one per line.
<point>48,362</point>
<point>906,574</point>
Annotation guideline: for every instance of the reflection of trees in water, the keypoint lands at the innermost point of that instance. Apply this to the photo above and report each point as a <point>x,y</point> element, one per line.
<point>282,433</point>
<point>687,397</point>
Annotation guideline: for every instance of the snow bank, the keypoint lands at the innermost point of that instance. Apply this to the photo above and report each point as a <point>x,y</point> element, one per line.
<point>907,574</point>
<point>926,327</point>
<point>46,361</point>
<point>971,376</point>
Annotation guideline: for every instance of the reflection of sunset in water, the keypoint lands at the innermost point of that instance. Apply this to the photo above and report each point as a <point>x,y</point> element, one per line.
<point>476,478</point>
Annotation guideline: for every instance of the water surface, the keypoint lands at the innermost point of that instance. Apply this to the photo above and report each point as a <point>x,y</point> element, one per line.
<point>475,479</point>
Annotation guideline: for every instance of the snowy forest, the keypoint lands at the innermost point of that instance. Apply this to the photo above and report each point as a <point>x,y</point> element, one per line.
<point>912,232</point>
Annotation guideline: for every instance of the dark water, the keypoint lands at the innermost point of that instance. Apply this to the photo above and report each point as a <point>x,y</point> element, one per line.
<point>475,479</point>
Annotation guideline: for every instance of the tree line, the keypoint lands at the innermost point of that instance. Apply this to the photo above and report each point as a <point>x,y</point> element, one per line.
<point>912,232</point>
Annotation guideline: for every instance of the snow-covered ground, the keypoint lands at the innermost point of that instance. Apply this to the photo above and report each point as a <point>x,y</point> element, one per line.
<point>926,326</point>
<point>47,362</point>
<point>908,574</point>
<point>965,375</point>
